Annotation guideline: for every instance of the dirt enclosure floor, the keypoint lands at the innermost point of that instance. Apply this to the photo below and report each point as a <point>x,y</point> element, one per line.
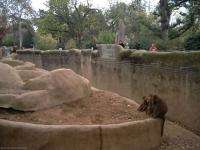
<point>100,108</point>
<point>104,108</point>
<point>178,138</point>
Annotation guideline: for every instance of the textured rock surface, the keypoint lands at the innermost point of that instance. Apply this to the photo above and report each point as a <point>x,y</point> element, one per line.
<point>9,78</point>
<point>26,66</point>
<point>63,85</point>
<point>30,74</point>
<point>40,89</point>
<point>12,62</point>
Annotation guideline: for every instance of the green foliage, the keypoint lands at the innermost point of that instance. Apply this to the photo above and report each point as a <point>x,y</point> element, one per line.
<point>45,42</point>
<point>134,45</point>
<point>171,45</point>
<point>125,54</point>
<point>106,38</point>
<point>16,12</point>
<point>143,42</point>
<point>90,45</point>
<point>8,40</point>
<point>27,40</point>
<point>161,45</point>
<point>71,19</point>
<point>193,42</point>
<point>70,44</point>
<point>176,58</point>
<point>187,16</point>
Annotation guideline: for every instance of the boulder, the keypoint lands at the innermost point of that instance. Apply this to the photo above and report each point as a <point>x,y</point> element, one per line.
<point>9,78</point>
<point>47,90</point>
<point>34,100</point>
<point>29,101</point>
<point>118,49</point>
<point>12,62</point>
<point>26,66</point>
<point>13,56</point>
<point>30,74</point>
<point>62,84</point>
<point>6,100</point>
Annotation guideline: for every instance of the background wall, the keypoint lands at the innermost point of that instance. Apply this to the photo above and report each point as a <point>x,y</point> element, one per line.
<point>178,86</point>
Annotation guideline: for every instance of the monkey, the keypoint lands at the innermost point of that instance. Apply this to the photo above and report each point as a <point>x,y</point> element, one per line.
<point>144,105</point>
<point>155,107</point>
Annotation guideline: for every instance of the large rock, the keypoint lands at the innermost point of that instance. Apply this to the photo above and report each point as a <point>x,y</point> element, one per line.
<point>30,74</point>
<point>50,89</point>
<point>62,84</point>
<point>12,62</point>
<point>31,100</point>
<point>34,100</point>
<point>9,78</point>
<point>26,66</point>
<point>118,50</point>
<point>13,56</point>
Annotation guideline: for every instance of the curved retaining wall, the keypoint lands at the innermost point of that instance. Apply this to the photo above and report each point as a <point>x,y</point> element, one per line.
<point>138,135</point>
<point>179,87</point>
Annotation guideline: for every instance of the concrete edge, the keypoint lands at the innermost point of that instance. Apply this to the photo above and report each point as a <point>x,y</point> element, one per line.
<point>126,136</point>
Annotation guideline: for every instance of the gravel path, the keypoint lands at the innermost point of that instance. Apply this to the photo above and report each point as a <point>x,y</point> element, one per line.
<point>178,138</point>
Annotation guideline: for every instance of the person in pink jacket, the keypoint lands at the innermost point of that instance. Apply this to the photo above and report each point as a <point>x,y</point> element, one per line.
<point>153,48</point>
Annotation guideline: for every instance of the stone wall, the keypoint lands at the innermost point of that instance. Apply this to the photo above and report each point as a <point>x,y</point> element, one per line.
<point>179,87</point>
<point>124,136</point>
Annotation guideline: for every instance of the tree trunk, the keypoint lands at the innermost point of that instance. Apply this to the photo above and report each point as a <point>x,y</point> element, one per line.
<point>20,34</point>
<point>164,19</point>
<point>79,37</point>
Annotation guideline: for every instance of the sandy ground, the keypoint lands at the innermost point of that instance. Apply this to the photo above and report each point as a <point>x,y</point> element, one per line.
<point>100,108</point>
<point>105,108</point>
<point>177,138</point>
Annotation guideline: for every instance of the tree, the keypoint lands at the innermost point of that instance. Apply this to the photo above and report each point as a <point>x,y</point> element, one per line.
<point>106,38</point>
<point>18,10</point>
<point>95,25</point>
<point>193,42</point>
<point>68,19</point>
<point>165,14</point>
<point>4,27</point>
<point>114,14</point>
<point>14,12</point>
<point>45,42</point>
<point>135,19</point>
<point>186,19</point>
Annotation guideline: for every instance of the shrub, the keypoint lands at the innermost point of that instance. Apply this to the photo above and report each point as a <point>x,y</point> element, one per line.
<point>70,44</point>
<point>106,38</point>
<point>134,45</point>
<point>140,43</point>
<point>45,42</point>
<point>125,54</point>
<point>193,42</point>
<point>8,40</point>
<point>90,45</point>
<point>61,45</point>
<point>27,40</point>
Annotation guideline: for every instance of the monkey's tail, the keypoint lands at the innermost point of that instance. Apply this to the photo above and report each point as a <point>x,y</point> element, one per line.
<point>162,125</point>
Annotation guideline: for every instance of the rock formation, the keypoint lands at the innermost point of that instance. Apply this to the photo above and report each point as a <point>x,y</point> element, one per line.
<point>27,88</point>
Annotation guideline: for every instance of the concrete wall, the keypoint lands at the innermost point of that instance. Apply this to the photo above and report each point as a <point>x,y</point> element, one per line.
<point>179,87</point>
<point>139,135</point>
